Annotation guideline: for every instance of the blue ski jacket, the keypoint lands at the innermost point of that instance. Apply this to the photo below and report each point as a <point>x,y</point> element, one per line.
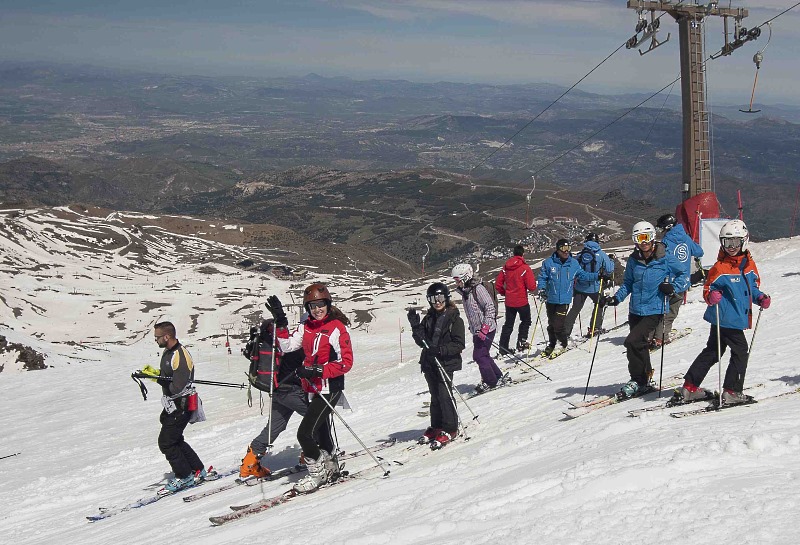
<point>682,247</point>
<point>592,259</point>
<point>558,277</point>
<point>642,278</point>
<point>737,278</point>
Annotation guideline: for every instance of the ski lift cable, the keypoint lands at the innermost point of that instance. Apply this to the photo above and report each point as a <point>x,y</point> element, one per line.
<point>768,21</point>
<point>598,131</point>
<point>649,132</point>
<point>529,123</point>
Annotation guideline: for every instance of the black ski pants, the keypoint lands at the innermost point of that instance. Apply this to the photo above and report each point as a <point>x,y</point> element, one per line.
<point>637,344</point>
<point>508,325</point>
<point>578,300</point>
<point>556,319</point>
<point>443,411</point>
<point>314,432</point>
<point>286,401</point>
<point>705,360</point>
<point>183,460</point>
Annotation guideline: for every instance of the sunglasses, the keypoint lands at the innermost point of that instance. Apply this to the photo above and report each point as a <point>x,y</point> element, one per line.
<point>732,242</point>
<point>317,304</point>
<point>564,247</point>
<point>438,298</point>
<point>643,238</point>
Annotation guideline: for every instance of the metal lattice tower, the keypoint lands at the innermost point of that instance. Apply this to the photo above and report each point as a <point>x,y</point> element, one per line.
<point>696,122</point>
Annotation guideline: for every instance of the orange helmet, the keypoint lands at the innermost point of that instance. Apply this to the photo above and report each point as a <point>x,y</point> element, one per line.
<point>315,292</point>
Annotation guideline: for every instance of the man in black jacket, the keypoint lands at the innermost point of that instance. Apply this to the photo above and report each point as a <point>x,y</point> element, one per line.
<point>176,362</point>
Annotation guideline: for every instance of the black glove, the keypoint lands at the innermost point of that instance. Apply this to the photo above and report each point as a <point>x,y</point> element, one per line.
<point>542,294</point>
<point>666,288</point>
<point>275,308</point>
<point>610,300</point>
<point>606,277</point>
<point>309,372</point>
<point>413,318</point>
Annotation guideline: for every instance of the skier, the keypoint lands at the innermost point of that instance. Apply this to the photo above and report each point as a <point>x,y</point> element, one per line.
<point>651,274</point>
<point>177,363</point>
<point>442,329</point>
<point>591,259</point>
<point>288,397</point>
<point>555,283</point>
<point>514,281</point>
<point>325,339</point>
<point>683,248</point>
<point>481,312</point>
<point>732,286</point>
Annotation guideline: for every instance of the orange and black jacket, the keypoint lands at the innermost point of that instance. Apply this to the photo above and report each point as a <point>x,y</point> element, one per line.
<point>737,279</point>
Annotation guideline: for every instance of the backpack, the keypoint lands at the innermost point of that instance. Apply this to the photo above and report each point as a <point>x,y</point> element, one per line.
<point>259,375</point>
<point>588,257</point>
<point>489,285</point>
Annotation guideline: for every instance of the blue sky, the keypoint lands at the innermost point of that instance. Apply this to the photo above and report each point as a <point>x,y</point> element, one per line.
<point>493,41</point>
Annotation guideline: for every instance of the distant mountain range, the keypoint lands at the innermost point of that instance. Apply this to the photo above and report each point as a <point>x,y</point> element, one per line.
<point>157,142</point>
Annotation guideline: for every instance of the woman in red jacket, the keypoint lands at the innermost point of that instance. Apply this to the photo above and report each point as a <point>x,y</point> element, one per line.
<point>325,340</point>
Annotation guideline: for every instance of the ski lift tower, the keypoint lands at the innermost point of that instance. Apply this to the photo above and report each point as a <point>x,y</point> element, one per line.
<point>690,16</point>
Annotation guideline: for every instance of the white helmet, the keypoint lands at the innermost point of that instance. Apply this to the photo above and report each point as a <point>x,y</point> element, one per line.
<point>462,271</point>
<point>735,229</point>
<point>643,232</point>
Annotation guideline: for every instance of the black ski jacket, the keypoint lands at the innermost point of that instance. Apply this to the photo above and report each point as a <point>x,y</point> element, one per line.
<point>444,334</point>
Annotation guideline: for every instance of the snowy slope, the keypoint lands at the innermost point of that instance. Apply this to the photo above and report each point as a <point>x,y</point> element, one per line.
<point>87,440</point>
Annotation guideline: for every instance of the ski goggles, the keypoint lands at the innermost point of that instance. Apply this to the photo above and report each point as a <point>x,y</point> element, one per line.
<point>319,303</point>
<point>564,247</point>
<point>643,238</point>
<point>437,298</point>
<point>732,242</point>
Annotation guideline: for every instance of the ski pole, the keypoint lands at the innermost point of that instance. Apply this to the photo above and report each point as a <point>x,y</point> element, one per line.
<point>271,385</point>
<point>10,455</point>
<point>452,387</point>
<point>594,317</point>
<point>137,377</point>
<point>538,321</point>
<point>346,425</point>
<point>523,361</point>
<point>663,336</point>
<point>755,330</point>
<point>449,383</point>
<point>594,354</point>
<point>719,358</point>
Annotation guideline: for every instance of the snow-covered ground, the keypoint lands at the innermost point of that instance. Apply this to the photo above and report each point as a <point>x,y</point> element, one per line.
<point>87,439</point>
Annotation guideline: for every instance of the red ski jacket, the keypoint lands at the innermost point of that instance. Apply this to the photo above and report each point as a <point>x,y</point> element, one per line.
<point>325,343</point>
<point>514,281</point>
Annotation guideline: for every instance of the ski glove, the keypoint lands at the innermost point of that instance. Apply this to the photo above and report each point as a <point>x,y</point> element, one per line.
<point>606,277</point>
<point>315,371</point>
<point>413,318</point>
<point>151,371</point>
<point>275,308</point>
<point>611,301</point>
<point>714,297</point>
<point>542,294</point>
<point>764,300</point>
<point>666,288</point>
<point>483,332</point>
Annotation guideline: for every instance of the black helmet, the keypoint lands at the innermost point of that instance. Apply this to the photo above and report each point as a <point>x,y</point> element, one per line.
<point>437,288</point>
<point>666,222</point>
<point>593,238</point>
